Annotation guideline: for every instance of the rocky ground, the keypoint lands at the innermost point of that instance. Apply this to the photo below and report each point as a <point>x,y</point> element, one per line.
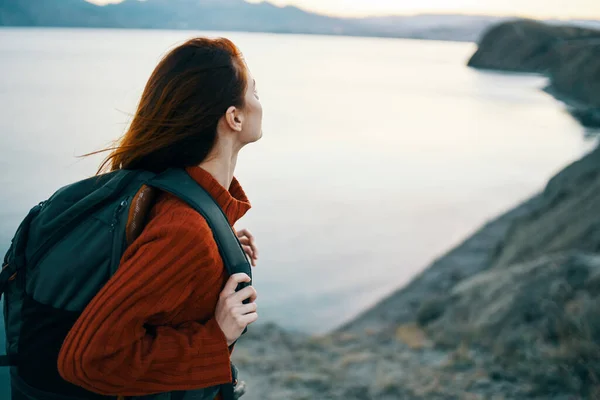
<point>511,313</point>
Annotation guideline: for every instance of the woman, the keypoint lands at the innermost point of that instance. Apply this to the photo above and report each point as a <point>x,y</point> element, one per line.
<point>166,321</point>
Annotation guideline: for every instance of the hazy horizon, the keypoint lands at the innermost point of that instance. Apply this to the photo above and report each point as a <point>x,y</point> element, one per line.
<point>560,9</point>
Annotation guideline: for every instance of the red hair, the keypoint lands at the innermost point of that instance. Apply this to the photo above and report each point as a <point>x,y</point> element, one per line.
<point>176,120</point>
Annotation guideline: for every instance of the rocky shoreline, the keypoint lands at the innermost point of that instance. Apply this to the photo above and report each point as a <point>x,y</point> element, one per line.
<point>568,55</point>
<point>511,313</point>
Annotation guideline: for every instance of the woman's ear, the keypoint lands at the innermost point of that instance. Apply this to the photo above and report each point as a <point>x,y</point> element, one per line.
<point>234,118</point>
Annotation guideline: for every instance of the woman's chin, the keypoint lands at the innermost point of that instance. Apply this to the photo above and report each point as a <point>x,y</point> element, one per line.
<point>257,137</point>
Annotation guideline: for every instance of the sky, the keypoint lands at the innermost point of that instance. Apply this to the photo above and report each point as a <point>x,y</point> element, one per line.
<point>585,9</point>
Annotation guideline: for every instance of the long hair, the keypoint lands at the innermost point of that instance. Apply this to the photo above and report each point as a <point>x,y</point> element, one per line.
<point>175,124</point>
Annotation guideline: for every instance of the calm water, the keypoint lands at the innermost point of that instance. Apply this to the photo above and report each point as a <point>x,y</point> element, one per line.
<point>378,155</point>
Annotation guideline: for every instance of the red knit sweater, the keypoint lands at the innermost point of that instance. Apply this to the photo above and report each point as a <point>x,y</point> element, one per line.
<point>152,329</point>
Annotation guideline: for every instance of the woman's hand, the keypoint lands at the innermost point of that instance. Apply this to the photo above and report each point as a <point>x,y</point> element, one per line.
<point>232,315</point>
<point>249,245</point>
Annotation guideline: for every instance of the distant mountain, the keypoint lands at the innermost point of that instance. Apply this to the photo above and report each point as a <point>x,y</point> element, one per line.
<point>233,15</point>
<point>237,15</point>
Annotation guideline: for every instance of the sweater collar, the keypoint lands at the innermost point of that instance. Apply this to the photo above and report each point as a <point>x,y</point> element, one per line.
<point>233,202</point>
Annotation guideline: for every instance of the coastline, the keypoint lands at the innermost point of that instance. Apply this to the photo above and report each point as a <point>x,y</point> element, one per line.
<point>511,312</point>
<point>416,343</point>
<point>566,55</point>
<point>586,114</point>
<point>266,32</point>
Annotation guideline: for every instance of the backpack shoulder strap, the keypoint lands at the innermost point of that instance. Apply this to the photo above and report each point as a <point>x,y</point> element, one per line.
<point>177,182</point>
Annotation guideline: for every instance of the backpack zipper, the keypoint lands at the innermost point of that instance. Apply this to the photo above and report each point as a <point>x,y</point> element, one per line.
<point>118,211</point>
<point>118,237</point>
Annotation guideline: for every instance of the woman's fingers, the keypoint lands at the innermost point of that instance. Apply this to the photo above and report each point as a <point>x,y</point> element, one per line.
<point>233,282</point>
<point>248,251</point>
<point>250,254</point>
<point>247,239</point>
<point>249,318</point>
<point>254,250</point>
<point>247,308</point>
<point>246,293</point>
<point>251,250</point>
<point>245,233</point>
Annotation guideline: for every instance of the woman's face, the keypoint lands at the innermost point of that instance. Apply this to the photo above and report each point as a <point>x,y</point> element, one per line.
<point>252,125</point>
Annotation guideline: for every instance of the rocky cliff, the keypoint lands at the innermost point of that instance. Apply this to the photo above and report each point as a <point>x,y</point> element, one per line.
<point>511,313</point>
<point>568,55</point>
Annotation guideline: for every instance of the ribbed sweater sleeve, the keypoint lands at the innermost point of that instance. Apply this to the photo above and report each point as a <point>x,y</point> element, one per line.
<point>115,349</point>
